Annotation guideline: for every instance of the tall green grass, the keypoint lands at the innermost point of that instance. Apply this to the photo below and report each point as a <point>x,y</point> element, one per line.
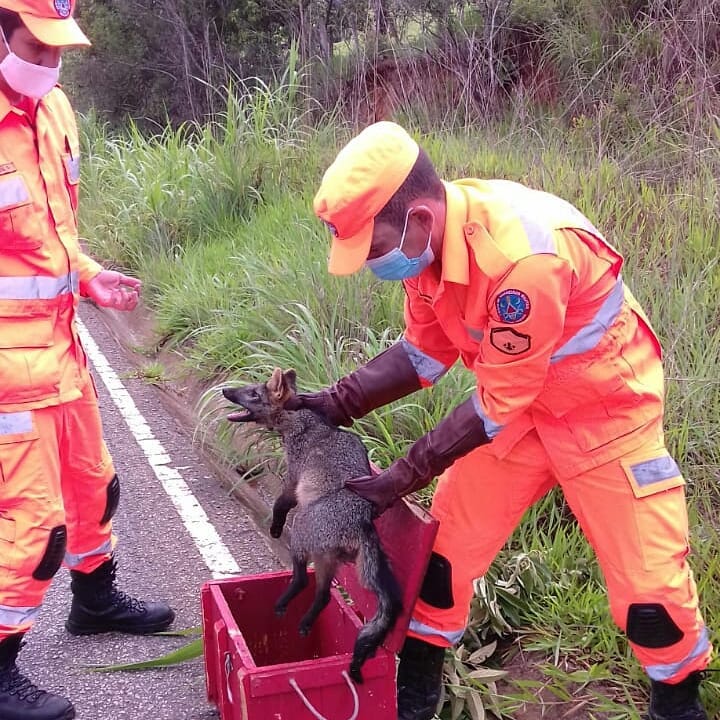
<point>217,221</point>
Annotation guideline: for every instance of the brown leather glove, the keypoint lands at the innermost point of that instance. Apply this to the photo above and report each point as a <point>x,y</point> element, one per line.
<point>461,431</point>
<point>387,377</point>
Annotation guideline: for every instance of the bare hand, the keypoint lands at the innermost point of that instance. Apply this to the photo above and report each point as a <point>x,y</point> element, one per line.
<point>112,289</point>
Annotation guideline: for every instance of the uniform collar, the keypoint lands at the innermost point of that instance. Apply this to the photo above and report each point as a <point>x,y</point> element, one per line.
<point>455,253</point>
<point>6,107</point>
<point>467,238</point>
<point>454,267</point>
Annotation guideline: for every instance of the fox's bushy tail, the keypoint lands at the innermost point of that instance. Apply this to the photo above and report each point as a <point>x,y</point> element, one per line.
<point>377,576</point>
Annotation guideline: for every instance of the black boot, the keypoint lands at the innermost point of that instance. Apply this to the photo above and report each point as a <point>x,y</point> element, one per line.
<point>677,702</point>
<point>98,606</point>
<point>419,679</point>
<point>19,698</point>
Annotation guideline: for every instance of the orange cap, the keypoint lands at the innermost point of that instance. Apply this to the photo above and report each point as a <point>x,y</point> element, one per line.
<point>367,172</point>
<point>50,21</point>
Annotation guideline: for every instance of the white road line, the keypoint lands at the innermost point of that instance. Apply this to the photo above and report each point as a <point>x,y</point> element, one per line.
<point>216,554</point>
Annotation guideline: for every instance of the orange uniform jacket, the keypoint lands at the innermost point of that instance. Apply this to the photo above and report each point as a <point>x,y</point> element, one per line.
<point>42,268</point>
<point>532,301</point>
<point>56,488</point>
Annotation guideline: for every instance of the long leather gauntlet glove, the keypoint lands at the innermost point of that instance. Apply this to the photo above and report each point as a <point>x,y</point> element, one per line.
<point>461,431</point>
<point>387,377</point>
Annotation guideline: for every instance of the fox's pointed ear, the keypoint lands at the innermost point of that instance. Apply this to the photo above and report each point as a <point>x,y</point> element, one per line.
<point>290,377</point>
<point>275,385</point>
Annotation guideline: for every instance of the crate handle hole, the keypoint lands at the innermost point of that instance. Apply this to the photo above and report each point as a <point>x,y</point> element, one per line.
<point>313,710</point>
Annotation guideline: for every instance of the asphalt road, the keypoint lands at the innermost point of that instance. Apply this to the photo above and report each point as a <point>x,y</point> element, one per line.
<point>161,555</point>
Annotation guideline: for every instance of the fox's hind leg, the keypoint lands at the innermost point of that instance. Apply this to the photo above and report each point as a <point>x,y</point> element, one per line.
<point>297,585</point>
<point>325,568</point>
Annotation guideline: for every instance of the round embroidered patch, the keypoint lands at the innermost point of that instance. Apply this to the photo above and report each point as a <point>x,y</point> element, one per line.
<point>512,306</point>
<point>63,8</point>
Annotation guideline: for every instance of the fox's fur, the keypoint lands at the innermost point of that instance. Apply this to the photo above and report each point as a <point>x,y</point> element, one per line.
<point>332,525</point>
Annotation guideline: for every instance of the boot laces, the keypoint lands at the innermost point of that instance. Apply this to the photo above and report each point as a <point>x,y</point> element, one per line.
<point>127,602</point>
<point>15,683</point>
<point>121,599</point>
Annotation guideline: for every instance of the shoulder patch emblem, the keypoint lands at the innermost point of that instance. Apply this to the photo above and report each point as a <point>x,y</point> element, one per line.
<point>512,306</point>
<point>509,341</point>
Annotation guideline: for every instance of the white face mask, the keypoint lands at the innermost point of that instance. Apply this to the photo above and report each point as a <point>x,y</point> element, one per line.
<point>26,78</point>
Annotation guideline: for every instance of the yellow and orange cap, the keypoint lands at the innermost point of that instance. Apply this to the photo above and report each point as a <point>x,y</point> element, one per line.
<point>50,21</point>
<point>366,173</point>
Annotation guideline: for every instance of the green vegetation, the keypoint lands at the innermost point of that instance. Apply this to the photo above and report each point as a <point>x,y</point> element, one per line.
<point>159,60</point>
<point>216,219</point>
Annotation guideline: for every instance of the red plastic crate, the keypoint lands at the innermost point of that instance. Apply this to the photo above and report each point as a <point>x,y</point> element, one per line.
<point>258,666</point>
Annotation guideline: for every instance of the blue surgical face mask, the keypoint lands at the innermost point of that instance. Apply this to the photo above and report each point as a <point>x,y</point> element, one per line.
<point>396,265</point>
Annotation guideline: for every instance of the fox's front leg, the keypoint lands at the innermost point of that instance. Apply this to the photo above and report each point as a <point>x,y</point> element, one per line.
<point>285,502</point>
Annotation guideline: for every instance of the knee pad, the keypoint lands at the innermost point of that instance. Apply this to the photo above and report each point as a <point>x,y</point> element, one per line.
<point>650,625</point>
<point>437,585</point>
<point>54,553</point>
<point>113,499</point>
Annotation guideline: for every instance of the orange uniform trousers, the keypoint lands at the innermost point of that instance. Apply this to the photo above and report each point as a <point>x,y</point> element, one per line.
<point>54,471</point>
<point>641,542</point>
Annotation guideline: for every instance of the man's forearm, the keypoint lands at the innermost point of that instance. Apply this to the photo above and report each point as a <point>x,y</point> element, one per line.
<point>457,434</point>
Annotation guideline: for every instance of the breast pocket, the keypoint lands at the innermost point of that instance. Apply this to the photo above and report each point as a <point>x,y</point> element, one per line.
<point>18,224</point>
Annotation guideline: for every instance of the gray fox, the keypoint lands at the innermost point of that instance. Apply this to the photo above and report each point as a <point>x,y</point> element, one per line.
<point>332,524</point>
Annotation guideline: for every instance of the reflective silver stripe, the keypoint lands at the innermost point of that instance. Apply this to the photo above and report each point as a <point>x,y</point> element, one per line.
<point>539,236</point>
<point>15,422</point>
<point>475,333</point>
<point>590,335</point>
<point>531,209</point>
<point>72,560</point>
<point>662,673</point>
<point>535,210</point>
<point>17,615</point>
<point>491,427</point>
<point>428,368</point>
<point>38,287</point>
<point>656,470</point>
<point>427,631</point>
<point>13,191</point>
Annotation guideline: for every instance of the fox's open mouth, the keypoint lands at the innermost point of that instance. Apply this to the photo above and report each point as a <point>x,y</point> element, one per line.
<point>241,416</point>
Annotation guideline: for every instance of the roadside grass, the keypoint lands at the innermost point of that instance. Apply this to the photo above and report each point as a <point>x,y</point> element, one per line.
<point>217,222</point>
<point>153,373</point>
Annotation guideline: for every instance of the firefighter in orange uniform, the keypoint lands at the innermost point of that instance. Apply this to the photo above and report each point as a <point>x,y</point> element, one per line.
<point>527,293</point>
<point>58,487</point>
